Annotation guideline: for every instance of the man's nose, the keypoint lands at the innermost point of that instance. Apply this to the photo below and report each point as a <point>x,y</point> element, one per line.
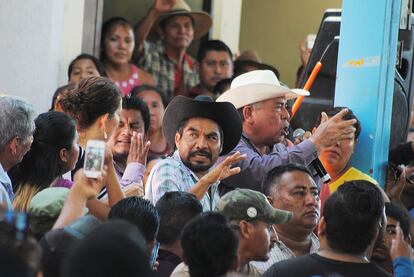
<point>201,142</point>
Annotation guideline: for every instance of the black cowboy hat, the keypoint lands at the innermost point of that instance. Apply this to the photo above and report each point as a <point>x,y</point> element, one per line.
<point>224,114</point>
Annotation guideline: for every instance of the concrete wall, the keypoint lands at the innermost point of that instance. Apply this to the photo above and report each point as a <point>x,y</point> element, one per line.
<point>274,28</point>
<point>38,40</point>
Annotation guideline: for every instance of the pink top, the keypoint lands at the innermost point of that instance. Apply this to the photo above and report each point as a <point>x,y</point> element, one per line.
<point>127,85</point>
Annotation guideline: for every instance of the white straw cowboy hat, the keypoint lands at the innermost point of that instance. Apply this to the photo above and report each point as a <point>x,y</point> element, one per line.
<point>202,20</point>
<point>256,86</point>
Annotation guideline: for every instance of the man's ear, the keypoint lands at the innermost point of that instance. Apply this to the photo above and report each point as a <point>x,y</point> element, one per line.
<point>245,229</point>
<point>322,227</point>
<point>177,139</point>
<point>12,145</point>
<point>247,113</point>
<point>160,32</point>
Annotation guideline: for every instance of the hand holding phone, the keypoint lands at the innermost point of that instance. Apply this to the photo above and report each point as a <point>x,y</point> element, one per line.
<point>94,158</point>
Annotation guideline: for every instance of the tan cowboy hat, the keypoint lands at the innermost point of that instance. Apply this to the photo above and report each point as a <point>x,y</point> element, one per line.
<point>224,114</point>
<point>202,20</point>
<point>256,86</point>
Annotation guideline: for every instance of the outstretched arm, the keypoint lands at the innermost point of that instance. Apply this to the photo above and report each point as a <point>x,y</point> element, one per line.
<point>144,27</point>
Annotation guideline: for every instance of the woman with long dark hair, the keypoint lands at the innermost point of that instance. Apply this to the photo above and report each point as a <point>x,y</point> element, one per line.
<point>54,151</point>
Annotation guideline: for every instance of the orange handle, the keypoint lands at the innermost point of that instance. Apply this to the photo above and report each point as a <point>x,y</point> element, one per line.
<point>307,86</point>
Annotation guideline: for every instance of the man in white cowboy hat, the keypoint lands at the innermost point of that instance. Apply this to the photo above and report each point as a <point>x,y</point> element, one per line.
<point>173,69</point>
<point>201,130</point>
<point>261,102</point>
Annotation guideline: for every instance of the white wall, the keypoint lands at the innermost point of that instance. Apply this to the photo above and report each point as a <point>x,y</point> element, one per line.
<point>226,23</point>
<point>38,37</point>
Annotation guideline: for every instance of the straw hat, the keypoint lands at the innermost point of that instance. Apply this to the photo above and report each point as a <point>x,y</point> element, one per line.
<point>202,20</point>
<point>256,86</point>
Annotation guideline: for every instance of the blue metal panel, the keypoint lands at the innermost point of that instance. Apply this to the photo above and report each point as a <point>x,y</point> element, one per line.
<point>365,76</point>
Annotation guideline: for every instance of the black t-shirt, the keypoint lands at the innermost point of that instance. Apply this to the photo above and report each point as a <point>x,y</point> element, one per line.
<point>315,265</point>
<point>167,263</point>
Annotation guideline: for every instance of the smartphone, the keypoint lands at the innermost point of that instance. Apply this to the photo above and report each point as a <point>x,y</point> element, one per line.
<point>94,158</point>
<point>154,254</point>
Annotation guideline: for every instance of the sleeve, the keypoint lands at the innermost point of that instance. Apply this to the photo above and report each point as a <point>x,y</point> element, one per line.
<point>4,199</point>
<point>134,172</point>
<point>403,267</point>
<point>165,178</point>
<point>303,153</point>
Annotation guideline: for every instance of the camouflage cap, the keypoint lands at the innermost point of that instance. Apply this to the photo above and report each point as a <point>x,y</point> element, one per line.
<point>246,204</point>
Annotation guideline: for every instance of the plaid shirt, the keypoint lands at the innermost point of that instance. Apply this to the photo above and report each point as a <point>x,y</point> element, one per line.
<point>155,61</point>
<point>281,252</point>
<point>171,174</point>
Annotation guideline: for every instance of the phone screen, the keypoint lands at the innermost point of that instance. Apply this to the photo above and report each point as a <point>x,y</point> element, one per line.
<point>94,158</point>
<point>154,254</point>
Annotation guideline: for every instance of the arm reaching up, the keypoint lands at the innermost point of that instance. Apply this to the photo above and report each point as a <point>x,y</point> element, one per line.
<point>144,27</point>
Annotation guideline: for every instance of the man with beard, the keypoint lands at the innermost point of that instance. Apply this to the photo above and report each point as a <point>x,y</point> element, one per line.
<point>201,130</point>
<point>290,187</point>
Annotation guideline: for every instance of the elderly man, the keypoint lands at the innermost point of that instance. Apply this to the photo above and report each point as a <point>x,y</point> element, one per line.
<point>173,69</point>
<point>261,102</point>
<point>290,187</point>
<point>128,141</point>
<point>16,137</point>
<point>215,63</point>
<point>348,229</point>
<point>201,130</point>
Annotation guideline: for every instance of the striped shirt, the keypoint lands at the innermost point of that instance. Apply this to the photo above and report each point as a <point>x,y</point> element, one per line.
<point>281,252</point>
<point>171,174</point>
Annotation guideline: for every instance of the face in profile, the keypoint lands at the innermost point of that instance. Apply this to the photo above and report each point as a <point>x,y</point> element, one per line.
<point>119,44</point>
<point>270,120</point>
<point>81,69</point>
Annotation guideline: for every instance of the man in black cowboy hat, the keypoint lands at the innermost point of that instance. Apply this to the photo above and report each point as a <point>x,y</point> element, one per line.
<point>201,130</point>
<point>177,25</point>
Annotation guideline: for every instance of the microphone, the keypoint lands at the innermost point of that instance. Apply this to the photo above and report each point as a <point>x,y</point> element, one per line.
<point>316,163</point>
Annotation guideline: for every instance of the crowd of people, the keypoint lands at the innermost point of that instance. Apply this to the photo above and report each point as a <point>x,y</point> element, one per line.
<point>201,175</point>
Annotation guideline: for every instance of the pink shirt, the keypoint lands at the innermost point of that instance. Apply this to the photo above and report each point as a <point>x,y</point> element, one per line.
<point>127,85</point>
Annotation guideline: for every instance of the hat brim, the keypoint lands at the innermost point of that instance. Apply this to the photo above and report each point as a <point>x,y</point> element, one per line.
<point>278,216</point>
<point>202,22</point>
<point>224,114</point>
<point>249,94</point>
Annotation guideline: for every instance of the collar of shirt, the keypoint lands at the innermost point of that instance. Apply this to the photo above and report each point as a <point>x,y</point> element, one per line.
<point>4,178</point>
<point>313,248</point>
<point>177,158</point>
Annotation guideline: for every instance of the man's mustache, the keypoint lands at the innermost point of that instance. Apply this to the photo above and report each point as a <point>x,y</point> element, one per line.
<point>201,153</point>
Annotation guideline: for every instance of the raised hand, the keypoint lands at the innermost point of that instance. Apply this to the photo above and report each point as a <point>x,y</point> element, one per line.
<point>163,6</point>
<point>138,151</point>
<point>332,130</point>
<point>88,187</point>
<point>224,169</point>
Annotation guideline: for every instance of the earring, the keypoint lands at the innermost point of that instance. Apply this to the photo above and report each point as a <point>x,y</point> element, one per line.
<point>105,135</point>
